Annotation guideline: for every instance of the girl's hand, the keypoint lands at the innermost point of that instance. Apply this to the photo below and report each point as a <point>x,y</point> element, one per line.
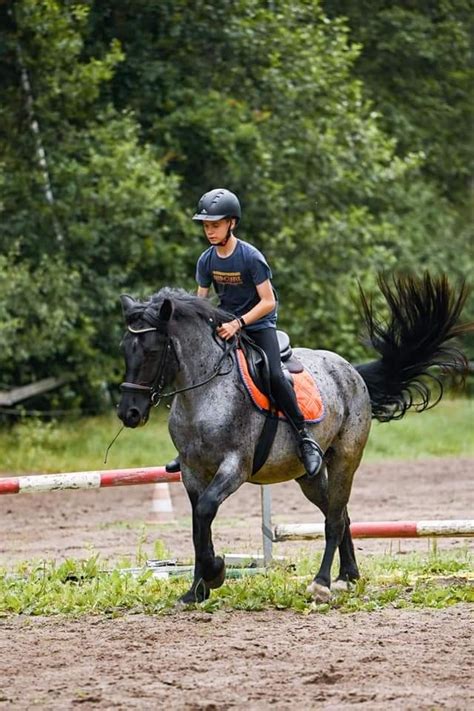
<point>229,329</point>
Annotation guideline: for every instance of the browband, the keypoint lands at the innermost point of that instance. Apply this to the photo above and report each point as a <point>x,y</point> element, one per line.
<point>142,330</point>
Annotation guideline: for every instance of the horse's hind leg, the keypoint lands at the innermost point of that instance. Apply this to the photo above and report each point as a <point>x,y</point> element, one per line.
<point>331,496</point>
<point>315,490</point>
<point>348,571</point>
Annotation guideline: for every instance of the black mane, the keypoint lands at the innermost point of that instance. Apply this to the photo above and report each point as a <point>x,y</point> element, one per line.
<point>185,306</point>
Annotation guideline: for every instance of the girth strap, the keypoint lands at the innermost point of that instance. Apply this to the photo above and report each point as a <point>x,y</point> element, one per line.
<point>264,443</point>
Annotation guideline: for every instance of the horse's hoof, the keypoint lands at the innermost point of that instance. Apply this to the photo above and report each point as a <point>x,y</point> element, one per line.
<point>219,574</point>
<point>198,593</point>
<point>180,604</point>
<point>342,585</point>
<point>319,593</point>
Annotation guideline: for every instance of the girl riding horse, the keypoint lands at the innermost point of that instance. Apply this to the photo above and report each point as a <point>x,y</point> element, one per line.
<point>171,351</point>
<point>241,278</point>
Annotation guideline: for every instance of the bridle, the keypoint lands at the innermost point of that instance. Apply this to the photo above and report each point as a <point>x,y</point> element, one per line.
<point>155,390</point>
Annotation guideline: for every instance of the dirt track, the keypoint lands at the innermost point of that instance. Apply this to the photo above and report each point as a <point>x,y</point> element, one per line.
<point>279,660</point>
<point>390,659</point>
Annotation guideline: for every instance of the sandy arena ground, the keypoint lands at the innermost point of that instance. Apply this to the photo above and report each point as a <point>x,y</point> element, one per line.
<point>392,659</point>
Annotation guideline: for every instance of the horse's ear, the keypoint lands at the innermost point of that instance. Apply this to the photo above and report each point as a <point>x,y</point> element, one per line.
<point>127,303</point>
<point>166,310</point>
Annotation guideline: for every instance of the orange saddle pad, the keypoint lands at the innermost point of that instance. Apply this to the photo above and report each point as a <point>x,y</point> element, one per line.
<point>307,393</point>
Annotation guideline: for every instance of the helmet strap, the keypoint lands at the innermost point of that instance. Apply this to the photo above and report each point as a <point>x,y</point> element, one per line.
<point>227,237</point>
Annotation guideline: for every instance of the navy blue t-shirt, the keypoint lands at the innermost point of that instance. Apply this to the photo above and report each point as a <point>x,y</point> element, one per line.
<point>235,279</point>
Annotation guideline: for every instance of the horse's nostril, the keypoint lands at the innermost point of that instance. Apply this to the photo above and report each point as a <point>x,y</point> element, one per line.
<point>132,417</point>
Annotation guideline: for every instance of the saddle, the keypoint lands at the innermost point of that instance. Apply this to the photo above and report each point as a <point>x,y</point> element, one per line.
<point>254,371</point>
<point>257,362</point>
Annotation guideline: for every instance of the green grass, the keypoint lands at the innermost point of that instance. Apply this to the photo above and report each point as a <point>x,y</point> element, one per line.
<point>34,445</point>
<point>445,431</point>
<point>76,445</point>
<point>82,587</point>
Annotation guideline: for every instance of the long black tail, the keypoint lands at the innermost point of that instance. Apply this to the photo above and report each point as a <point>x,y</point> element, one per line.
<point>423,320</point>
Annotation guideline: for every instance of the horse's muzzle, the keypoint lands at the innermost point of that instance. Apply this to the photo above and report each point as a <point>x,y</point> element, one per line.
<point>133,418</point>
<point>132,413</point>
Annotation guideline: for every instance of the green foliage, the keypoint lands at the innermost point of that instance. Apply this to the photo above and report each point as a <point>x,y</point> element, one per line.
<point>109,226</point>
<point>289,129</point>
<point>415,62</point>
<point>83,587</point>
<point>336,147</point>
<point>38,305</point>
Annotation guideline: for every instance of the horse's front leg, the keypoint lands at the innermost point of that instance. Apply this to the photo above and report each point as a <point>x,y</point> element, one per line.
<point>209,570</point>
<point>198,590</point>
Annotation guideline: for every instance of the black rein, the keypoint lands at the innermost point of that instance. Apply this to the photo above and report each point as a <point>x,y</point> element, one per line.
<point>155,389</point>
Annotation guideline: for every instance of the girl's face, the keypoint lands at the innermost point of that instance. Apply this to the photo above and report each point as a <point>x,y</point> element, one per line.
<point>216,230</point>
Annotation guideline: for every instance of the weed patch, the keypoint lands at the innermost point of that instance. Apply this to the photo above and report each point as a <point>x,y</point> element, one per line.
<point>85,587</point>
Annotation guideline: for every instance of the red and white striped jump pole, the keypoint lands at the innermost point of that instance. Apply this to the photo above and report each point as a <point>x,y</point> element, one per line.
<point>379,529</point>
<point>36,483</point>
<point>372,529</point>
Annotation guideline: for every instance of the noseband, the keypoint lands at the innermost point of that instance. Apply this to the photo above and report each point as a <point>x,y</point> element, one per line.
<point>155,389</point>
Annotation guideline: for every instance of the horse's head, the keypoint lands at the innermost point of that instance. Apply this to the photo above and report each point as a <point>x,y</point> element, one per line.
<point>150,358</point>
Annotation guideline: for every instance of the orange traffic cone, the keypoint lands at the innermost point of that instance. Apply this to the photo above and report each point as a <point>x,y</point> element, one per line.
<point>161,504</point>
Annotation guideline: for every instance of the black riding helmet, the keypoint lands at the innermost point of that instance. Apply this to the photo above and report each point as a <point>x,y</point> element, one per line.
<point>217,204</point>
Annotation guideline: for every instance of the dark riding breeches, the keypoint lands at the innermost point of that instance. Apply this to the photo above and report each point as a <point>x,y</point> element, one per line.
<point>283,394</point>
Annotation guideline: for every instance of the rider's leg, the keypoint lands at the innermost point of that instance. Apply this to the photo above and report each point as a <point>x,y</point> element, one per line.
<point>285,398</point>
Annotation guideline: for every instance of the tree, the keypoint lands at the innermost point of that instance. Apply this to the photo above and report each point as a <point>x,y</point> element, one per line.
<point>415,64</point>
<point>262,99</point>
<point>140,108</point>
<point>111,199</point>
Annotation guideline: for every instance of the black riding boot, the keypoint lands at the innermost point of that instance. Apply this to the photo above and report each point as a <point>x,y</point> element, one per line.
<point>310,453</point>
<point>173,466</point>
